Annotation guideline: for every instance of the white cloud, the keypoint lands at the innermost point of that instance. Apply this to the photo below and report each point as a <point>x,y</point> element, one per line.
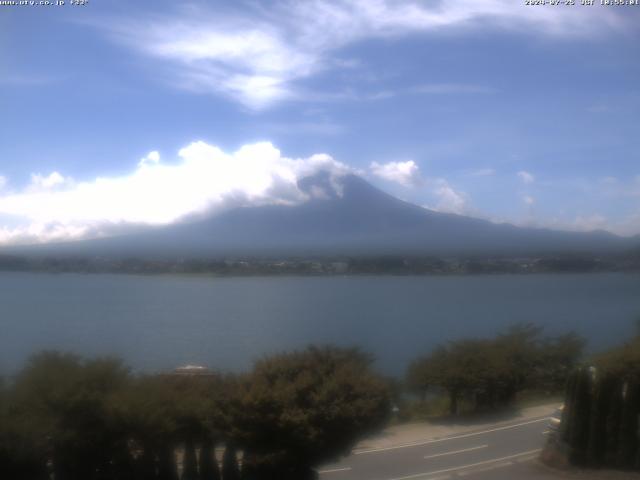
<point>40,232</point>
<point>3,182</point>
<point>257,55</point>
<point>48,182</point>
<point>251,63</point>
<point>405,173</point>
<point>446,198</point>
<point>203,179</point>
<point>449,199</point>
<point>528,200</point>
<point>152,158</point>
<point>526,177</point>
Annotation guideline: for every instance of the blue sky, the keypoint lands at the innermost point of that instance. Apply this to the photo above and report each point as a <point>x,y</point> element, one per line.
<point>495,109</point>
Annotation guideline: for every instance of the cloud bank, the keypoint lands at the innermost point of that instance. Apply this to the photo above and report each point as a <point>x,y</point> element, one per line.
<point>203,179</point>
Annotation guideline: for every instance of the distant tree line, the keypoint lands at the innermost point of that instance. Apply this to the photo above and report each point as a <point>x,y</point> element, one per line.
<point>490,373</point>
<point>352,265</point>
<point>601,417</point>
<point>79,419</point>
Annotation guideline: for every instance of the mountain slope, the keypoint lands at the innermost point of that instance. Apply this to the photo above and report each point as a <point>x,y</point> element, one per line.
<point>351,217</point>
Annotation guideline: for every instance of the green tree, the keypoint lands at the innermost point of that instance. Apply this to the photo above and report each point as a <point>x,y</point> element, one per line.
<point>64,400</point>
<point>23,453</point>
<point>308,407</point>
<point>471,370</point>
<point>520,346</point>
<point>558,357</point>
<point>488,373</point>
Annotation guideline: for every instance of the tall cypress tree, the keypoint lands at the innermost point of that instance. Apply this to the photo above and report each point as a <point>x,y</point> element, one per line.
<point>612,425</point>
<point>579,438</point>
<point>189,462</point>
<point>628,433</point>
<point>167,468</point>
<point>230,470</point>
<point>249,467</point>
<point>208,464</point>
<point>568,413</point>
<point>598,421</point>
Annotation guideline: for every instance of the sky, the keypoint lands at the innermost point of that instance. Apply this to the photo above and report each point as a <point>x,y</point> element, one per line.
<point>121,113</point>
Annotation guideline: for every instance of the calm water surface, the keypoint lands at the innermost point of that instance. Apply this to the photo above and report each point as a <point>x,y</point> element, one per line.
<point>160,322</point>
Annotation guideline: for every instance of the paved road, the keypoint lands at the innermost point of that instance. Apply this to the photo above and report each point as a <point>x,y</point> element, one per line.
<point>500,452</point>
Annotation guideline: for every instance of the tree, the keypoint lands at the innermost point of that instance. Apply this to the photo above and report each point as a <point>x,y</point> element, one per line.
<point>424,373</point>
<point>207,462</point>
<point>189,462</point>
<point>472,370</point>
<point>487,373</point>
<point>147,411</point>
<point>602,407</point>
<point>62,401</point>
<point>230,468</point>
<point>521,356</point>
<point>22,451</point>
<point>303,408</point>
<point>559,356</point>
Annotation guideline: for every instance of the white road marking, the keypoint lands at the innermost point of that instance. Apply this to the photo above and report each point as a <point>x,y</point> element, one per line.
<point>466,435</point>
<point>484,469</point>
<point>464,467</point>
<point>334,470</point>
<point>456,451</point>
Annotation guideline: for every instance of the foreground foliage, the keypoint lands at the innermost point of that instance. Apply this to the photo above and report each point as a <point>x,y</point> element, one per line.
<point>91,419</point>
<point>302,409</point>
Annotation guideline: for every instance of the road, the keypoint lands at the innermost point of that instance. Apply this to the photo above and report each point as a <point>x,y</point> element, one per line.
<point>504,451</point>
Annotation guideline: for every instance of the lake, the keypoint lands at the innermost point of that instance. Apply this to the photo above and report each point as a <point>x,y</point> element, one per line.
<point>160,322</point>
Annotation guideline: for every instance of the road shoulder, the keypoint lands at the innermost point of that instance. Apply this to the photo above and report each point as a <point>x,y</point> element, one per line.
<point>409,434</point>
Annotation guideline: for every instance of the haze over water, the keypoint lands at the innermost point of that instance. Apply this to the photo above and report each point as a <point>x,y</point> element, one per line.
<point>159,322</point>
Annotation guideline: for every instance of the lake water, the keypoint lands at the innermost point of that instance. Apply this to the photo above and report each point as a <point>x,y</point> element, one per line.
<point>159,322</point>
